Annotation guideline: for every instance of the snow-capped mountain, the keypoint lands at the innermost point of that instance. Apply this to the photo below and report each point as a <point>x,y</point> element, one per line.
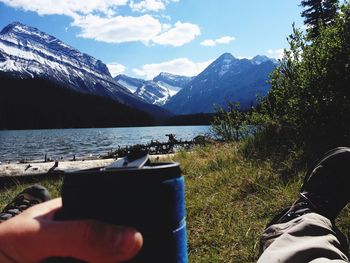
<point>132,84</point>
<point>174,83</point>
<point>26,52</point>
<point>30,52</point>
<point>226,79</point>
<point>152,93</point>
<point>148,91</point>
<point>157,91</point>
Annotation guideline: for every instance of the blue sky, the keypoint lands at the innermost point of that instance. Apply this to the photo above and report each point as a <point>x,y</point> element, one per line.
<point>141,38</point>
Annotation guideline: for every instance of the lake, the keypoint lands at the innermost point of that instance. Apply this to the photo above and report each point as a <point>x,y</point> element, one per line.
<point>34,144</point>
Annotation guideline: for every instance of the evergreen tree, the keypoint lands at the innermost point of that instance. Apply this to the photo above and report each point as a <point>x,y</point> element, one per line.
<point>318,13</point>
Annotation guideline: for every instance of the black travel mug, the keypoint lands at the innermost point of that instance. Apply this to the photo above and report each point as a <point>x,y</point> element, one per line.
<point>150,199</point>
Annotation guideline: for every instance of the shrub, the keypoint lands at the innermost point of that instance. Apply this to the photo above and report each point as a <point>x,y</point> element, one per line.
<point>231,124</point>
<point>310,91</point>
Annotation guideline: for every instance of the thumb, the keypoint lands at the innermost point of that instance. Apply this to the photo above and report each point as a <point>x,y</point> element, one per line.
<point>90,241</point>
<point>27,239</point>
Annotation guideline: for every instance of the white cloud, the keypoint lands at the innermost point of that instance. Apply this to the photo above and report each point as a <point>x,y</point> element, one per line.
<point>98,20</point>
<point>166,27</point>
<point>225,40</point>
<point>277,53</point>
<point>119,29</point>
<point>69,8</point>
<point>179,35</point>
<point>208,43</point>
<point>150,5</point>
<point>147,5</point>
<point>179,66</point>
<point>139,72</point>
<point>116,68</point>
<point>165,17</point>
<point>144,28</point>
<point>221,40</point>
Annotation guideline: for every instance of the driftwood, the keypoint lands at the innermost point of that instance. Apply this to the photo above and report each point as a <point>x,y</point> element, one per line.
<point>27,169</point>
<point>156,147</point>
<point>49,168</point>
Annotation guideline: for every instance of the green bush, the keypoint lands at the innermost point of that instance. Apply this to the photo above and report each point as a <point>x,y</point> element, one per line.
<point>231,124</point>
<point>309,98</point>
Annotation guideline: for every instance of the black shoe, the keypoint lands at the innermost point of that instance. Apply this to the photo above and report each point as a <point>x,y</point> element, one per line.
<point>28,197</point>
<point>325,190</point>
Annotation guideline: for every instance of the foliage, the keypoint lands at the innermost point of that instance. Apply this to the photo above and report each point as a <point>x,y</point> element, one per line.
<point>318,13</point>
<point>310,93</point>
<point>231,124</point>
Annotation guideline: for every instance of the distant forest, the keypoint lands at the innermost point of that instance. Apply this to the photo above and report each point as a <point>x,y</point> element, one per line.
<point>38,104</point>
<point>42,104</point>
<point>191,119</point>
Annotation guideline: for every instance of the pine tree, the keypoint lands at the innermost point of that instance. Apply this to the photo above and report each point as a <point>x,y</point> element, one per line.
<point>318,13</point>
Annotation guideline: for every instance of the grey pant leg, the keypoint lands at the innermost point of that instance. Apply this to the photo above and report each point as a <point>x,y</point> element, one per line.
<point>308,238</point>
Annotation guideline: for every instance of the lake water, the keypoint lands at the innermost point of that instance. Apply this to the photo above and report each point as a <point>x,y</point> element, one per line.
<point>34,144</point>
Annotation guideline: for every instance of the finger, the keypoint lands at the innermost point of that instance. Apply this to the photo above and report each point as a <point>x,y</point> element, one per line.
<point>90,241</point>
<point>47,209</point>
<point>32,237</point>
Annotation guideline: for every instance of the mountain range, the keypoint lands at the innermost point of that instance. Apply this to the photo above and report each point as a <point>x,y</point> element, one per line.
<point>227,79</point>
<point>27,53</point>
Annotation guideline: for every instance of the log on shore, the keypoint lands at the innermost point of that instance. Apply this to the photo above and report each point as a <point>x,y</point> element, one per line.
<point>25,169</point>
<point>40,168</point>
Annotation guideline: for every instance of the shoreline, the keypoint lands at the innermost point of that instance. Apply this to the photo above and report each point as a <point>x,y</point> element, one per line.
<point>41,168</point>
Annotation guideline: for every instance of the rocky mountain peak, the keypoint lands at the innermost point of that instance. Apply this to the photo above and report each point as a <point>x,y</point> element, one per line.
<point>11,28</point>
<point>261,59</point>
<point>226,56</point>
<point>30,41</point>
<point>226,79</point>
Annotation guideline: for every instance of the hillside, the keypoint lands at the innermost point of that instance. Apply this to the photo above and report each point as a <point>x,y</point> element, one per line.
<point>37,104</point>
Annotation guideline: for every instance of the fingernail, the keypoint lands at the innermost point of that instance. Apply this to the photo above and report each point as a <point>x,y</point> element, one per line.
<point>129,242</point>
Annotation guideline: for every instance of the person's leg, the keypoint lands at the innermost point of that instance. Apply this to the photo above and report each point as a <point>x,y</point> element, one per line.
<point>28,197</point>
<point>303,239</point>
<point>306,232</point>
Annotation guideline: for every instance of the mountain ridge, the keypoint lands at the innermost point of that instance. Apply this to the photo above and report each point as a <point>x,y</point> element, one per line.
<point>28,52</point>
<point>227,79</point>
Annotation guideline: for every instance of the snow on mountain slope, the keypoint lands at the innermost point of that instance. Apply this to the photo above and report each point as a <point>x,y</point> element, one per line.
<point>153,93</point>
<point>157,91</point>
<point>27,52</point>
<point>174,83</point>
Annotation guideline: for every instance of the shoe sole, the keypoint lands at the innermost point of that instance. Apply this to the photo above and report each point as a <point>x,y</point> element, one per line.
<point>326,156</point>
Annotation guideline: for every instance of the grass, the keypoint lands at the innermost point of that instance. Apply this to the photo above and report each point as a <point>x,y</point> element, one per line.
<point>10,189</point>
<point>229,201</point>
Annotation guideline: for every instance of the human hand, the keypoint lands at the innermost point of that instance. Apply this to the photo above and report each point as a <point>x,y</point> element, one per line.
<point>33,236</point>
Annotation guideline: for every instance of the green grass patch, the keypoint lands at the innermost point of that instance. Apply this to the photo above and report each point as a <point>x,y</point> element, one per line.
<point>229,201</point>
